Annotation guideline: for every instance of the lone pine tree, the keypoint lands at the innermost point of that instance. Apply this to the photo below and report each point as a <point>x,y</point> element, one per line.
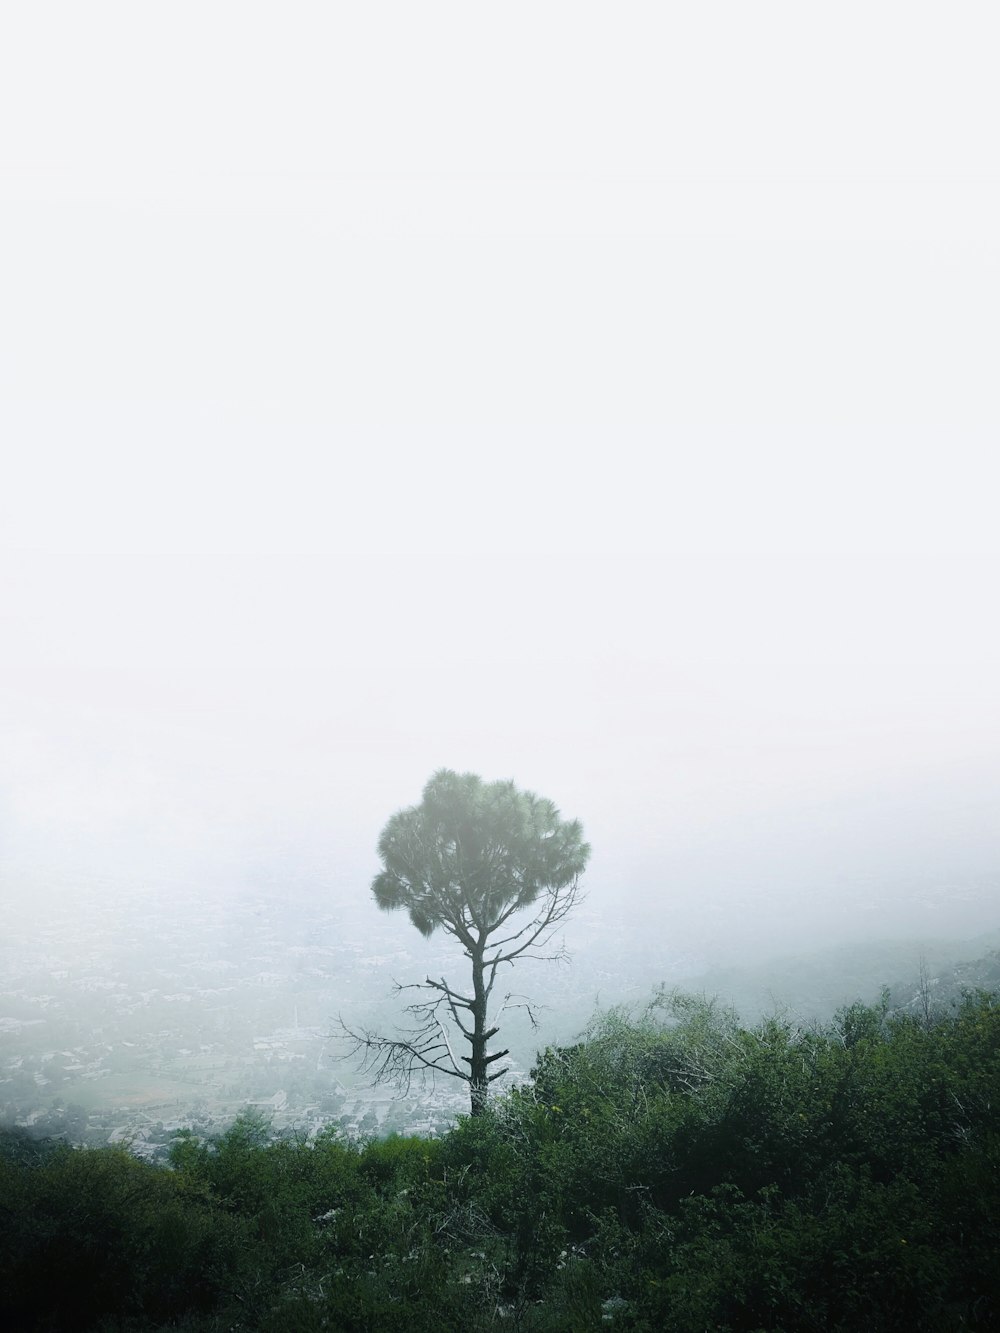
<point>498,870</point>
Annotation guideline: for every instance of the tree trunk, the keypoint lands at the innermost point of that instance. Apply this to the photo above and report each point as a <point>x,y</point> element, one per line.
<point>478,1081</point>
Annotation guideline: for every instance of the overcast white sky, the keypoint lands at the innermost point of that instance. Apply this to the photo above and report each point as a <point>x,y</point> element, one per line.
<point>599,396</point>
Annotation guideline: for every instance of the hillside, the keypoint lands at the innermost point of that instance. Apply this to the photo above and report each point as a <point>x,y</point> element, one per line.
<point>675,1169</point>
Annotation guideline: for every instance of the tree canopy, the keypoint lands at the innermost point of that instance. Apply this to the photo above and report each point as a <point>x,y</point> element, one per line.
<point>473,853</point>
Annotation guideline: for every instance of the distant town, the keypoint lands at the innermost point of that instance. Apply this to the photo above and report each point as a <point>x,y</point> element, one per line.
<point>133,1020</point>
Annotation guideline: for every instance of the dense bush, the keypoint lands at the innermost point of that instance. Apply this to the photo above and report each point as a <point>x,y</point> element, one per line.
<point>674,1170</point>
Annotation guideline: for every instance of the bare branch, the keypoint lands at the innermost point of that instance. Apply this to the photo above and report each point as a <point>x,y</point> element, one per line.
<point>419,1052</point>
<point>558,905</point>
<point>519,1002</point>
<point>456,996</point>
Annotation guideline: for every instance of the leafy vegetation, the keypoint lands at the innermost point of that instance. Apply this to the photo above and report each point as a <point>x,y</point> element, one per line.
<point>673,1170</point>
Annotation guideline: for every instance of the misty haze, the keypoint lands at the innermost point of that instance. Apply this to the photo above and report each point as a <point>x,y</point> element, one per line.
<point>499,725</point>
<point>195,786</point>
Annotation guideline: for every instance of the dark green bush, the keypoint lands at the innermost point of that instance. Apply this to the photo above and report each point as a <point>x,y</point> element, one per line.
<point>672,1170</point>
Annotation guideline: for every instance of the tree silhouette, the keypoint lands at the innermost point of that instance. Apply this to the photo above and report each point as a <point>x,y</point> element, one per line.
<point>472,859</point>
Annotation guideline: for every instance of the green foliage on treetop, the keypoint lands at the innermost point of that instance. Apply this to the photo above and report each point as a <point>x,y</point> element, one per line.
<point>472,850</point>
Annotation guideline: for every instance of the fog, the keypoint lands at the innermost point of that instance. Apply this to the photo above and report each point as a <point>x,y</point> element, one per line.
<point>809,743</point>
<point>613,411</point>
